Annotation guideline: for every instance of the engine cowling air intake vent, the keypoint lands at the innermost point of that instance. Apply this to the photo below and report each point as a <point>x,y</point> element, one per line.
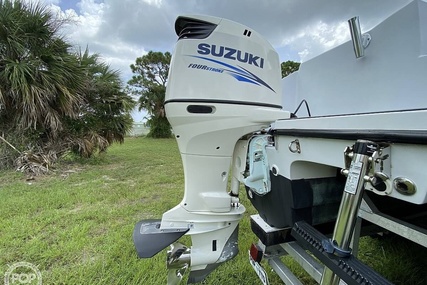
<point>189,28</point>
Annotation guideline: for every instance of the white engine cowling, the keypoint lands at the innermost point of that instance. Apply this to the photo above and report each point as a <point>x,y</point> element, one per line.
<point>224,82</point>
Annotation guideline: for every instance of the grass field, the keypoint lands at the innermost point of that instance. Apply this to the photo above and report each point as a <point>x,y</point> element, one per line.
<point>76,224</point>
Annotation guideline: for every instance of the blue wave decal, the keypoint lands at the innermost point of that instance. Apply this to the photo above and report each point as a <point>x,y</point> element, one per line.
<point>239,73</point>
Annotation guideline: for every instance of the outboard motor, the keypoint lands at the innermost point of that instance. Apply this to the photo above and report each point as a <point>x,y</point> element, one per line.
<point>224,83</point>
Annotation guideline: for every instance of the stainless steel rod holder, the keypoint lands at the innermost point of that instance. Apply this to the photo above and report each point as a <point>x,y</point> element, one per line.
<point>360,42</point>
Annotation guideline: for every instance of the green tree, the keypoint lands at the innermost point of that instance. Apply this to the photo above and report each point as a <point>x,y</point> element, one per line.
<point>40,82</point>
<point>39,79</point>
<point>52,100</point>
<point>288,67</point>
<point>149,83</point>
<point>104,114</point>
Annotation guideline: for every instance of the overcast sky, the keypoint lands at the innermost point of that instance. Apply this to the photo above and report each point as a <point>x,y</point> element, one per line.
<point>122,30</point>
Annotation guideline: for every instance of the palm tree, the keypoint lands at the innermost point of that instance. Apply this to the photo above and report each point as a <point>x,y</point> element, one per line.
<point>53,100</point>
<point>104,115</point>
<point>39,79</point>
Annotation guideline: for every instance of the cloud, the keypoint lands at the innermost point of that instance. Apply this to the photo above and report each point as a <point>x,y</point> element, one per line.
<point>123,30</point>
<point>306,27</point>
<point>84,27</point>
<point>316,38</point>
<point>145,23</point>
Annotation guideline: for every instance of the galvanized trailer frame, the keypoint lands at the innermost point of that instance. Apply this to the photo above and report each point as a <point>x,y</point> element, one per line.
<point>312,266</point>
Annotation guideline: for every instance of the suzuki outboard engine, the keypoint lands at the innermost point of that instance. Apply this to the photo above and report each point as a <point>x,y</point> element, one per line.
<point>224,83</point>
